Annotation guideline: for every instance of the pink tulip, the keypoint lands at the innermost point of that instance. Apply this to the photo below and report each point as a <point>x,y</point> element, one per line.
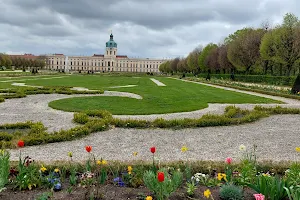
<point>228,160</point>
<point>259,197</point>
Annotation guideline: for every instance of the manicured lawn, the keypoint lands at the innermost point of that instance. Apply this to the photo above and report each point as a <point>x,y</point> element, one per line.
<point>177,96</point>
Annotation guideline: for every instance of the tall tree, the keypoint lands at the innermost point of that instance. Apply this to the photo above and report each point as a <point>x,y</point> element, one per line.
<point>211,60</point>
<point>5,60</point>
<point>174,64</point>
<point>243,52</point>
<point>235,35</point>
<point>202,57</point>
<point>182,65</point>
<point>192,59</point>
<point>282,45</point>
<point>224,63</point>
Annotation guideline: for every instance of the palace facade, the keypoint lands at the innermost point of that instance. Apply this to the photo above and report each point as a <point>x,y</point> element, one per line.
<point>108,62</point>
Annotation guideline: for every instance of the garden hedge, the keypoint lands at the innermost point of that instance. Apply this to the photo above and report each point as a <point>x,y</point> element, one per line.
<point>98,120</point>
<point>273,80</point>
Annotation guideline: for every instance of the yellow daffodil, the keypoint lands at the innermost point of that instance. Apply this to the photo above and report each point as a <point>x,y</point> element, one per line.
<point>221,176</point>
<point>70,154</point>
<point>207,193</point>
<point>99,162</point>
<point>148,198</point>
<point>135,153</point>
<point>184,149</point>
<point>56,170</point>
<point>43,169</point>
<point>104,162</point>
<point>298,149</point>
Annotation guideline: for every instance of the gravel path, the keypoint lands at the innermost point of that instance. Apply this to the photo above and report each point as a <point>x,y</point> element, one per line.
<point>276,138</point>
<point>35,108</point>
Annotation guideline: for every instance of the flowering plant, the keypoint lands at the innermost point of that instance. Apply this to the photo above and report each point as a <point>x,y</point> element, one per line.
<point>162,184</point>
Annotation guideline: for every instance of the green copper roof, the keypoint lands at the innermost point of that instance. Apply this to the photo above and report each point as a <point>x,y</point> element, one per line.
<point>111,42</point>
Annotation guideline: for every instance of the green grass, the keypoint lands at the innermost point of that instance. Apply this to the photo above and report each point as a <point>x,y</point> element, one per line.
<point>177,96</point>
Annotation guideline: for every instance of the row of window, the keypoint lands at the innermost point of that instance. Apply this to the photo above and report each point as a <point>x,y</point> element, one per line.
<point>94,61</point>
<point>109,64</point>
<point>106,69</point>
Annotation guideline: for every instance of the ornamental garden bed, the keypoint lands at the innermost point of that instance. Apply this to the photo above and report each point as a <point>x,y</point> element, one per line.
<point>97,178</point>
<point>111,192</point>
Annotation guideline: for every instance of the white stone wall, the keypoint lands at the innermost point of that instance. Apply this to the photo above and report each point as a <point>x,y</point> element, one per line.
<point>105,63</point>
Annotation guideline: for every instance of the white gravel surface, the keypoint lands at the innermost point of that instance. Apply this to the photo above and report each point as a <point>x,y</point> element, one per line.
<point>35,108</point>
<point>276,138</point>
<point>157,82</point>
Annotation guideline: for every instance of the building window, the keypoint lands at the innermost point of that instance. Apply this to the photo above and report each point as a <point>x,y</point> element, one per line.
<point>108,64</point>
<point>114,52</point>
<point>110,53</point>
<point>71,64</point>
<point>107,52</point>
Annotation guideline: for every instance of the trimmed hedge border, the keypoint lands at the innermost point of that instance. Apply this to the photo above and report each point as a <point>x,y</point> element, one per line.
<point>99,120</point>
<point>249,89</point>
<point>23,92</point>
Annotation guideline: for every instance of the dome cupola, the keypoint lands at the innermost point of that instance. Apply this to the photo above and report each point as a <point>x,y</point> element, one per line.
<point>111,43</point>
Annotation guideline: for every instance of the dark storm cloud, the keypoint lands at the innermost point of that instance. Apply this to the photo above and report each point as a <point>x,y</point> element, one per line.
<point>144,28</point>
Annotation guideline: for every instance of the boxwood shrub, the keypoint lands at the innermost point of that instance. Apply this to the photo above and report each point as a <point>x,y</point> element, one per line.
<point>94,121</point>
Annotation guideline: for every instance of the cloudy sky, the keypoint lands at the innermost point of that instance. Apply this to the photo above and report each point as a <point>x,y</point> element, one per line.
<point>142,28</point>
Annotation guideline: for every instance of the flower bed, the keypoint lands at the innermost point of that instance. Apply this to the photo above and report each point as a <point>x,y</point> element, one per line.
<point>98,178</point>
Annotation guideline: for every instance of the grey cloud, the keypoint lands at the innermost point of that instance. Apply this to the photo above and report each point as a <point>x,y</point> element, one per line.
<point>156,28</point>
<point>152,14</point>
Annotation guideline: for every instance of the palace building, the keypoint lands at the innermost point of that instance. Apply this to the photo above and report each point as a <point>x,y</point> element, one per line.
<point>108,62</point>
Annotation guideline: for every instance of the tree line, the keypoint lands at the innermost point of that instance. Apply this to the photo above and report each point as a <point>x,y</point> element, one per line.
<point>21,63</point>
<point>265,51</point>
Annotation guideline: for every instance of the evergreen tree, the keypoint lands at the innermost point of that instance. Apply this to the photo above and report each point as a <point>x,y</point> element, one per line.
<point>296,86</point>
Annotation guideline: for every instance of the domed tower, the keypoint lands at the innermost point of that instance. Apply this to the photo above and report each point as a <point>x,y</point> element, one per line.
<point>111,47</point>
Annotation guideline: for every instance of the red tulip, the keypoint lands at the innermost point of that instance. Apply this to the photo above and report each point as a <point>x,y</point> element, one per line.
<point>88,149</point>
<point>152,149</point>
<point>228,160</point>
<point>160,176</point>
<point>21,143</point>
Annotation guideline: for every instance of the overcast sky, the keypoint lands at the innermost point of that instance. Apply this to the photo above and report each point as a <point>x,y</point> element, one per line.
<point>142,28</point>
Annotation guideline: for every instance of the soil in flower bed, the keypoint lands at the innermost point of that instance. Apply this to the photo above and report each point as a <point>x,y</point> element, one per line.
<point>112,192</point>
